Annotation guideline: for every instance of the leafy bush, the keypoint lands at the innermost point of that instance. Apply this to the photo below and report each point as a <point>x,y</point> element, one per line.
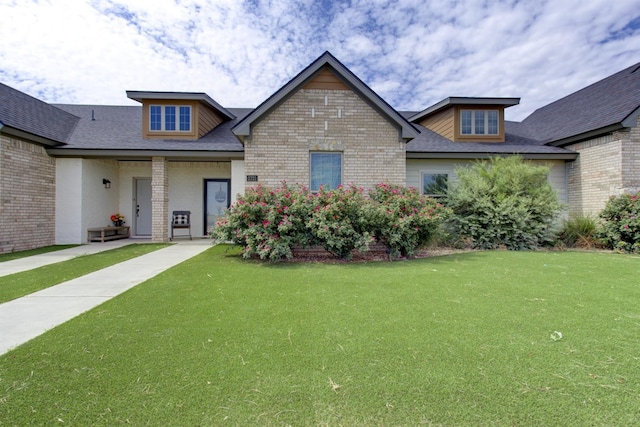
<point>503,202</point>
<point>621,223</point>
<point>267,223</point>
<point>579,231</point>
<point>338,220</point>
<point>405,220</point>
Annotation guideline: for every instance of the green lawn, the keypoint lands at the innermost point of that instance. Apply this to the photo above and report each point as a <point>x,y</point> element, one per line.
<point>20,284</point>
<point>466,339</point>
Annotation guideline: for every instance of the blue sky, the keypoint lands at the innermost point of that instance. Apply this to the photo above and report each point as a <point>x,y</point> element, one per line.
<point>413,53</point>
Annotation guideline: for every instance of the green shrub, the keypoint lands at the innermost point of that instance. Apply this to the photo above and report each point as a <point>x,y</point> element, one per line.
<point>267,223</point>
<point>579,231</point>
<point>405,220</point>
<point>338,221</point>
<point>621,223</point>
<point>503,202</point>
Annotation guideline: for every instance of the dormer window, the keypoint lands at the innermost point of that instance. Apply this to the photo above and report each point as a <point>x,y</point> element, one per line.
<point>479,122</point>
<point>170,118</point>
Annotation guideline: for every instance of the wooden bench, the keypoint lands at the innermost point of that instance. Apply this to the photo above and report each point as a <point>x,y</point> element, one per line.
<point>103,234</point>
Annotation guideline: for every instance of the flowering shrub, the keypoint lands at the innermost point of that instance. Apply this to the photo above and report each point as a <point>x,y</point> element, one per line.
<point>267,223</point>
<point>338,221</point>
<point>621,223</point>
<point>405,219</point>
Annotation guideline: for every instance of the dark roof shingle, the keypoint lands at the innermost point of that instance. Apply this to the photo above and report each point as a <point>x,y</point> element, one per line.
<point>30,115</point>
<point>104,127</point>
<point>604,103</point>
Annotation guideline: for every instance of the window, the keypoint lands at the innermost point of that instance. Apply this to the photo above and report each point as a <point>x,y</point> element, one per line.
<point>326,170</point>
<point>479,122</point>
<point>435,184</point>
<point>169,118</point>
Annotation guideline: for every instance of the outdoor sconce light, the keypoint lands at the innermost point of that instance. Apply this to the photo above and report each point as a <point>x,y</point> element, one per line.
<point>106,182</point>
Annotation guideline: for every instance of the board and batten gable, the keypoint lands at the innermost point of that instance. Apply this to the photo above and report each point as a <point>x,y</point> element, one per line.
<point>445,118</point>
<point>325,116</point>
<point>203,120</point>
<point>441,123</point>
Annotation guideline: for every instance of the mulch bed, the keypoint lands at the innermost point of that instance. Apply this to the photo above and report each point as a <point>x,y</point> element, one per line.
<point>376,252</point>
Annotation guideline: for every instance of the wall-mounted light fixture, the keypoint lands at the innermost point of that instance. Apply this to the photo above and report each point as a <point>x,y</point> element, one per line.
<point>106,182</point>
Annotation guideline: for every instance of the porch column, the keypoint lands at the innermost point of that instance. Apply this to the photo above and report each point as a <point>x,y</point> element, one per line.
<point>159,199</point>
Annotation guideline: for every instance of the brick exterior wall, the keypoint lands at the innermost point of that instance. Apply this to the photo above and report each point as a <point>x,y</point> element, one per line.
<point>607,166</point>
<point>159,199</point>
<point>325,120</point>
<point>27,195</point>
<point>631,161</point>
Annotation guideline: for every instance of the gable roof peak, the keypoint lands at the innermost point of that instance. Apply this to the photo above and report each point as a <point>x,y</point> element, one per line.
<point>243,128</point>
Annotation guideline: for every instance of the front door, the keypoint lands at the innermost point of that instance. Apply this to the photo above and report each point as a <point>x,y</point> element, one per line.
<point>142,205</point>
<point>216,200</point>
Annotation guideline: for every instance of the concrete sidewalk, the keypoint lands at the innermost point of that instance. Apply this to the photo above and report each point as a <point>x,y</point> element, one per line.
<point>35,261</point>
<point>25,318</point>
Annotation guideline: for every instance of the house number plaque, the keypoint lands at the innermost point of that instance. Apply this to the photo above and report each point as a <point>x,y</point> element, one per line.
<point>252,178</point>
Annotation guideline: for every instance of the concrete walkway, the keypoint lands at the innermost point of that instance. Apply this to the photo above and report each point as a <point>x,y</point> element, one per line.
<point>35,261</point>
<point>25,318</point>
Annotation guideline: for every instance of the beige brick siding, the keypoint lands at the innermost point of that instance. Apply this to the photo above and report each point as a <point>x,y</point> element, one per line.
<point>27,195</point>
<point>159,199</point>
<point>631,160</point>
<point>607,166</point>
<point>325,120</point>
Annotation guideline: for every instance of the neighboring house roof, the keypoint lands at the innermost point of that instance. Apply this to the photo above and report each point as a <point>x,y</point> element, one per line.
<point>27,117</point>
<point>462,100</point>
<point>183,96</point>
<point>605,106</point>
<point>117,131</point>
<point>243,128</point>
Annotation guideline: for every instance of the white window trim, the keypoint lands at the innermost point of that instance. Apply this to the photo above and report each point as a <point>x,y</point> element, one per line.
<point>163,118</point>
<point>486,123</point>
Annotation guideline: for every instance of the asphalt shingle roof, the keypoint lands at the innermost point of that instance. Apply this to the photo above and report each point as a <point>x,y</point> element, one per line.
<point>516,141</point>
<point>28,114</point>
<point>120,128</point>
<point>604,103</point>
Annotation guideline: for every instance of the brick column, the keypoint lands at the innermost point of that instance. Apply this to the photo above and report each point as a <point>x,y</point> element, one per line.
<point>159,199</point>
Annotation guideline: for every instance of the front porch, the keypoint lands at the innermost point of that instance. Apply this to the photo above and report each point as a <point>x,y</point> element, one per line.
<point>145,191</point>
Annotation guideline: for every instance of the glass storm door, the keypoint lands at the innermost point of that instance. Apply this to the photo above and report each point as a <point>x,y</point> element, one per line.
<point>216,200</point>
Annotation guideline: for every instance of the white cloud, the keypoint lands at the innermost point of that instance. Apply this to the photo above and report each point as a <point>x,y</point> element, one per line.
<point>413,53</point>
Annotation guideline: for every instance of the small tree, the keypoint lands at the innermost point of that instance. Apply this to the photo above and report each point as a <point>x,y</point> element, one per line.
<point>621,223</point>
<point>503,202</point>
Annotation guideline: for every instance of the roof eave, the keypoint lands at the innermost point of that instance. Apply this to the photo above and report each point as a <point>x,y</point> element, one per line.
<point>585,135</point>
<point>487,155</point>
<point>120,154</point>
<point>8,130</point>
<point>462,100</point>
